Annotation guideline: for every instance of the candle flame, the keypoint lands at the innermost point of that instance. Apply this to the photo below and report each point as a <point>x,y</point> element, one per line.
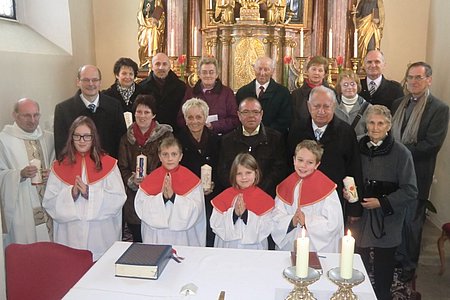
<point>349,233</point>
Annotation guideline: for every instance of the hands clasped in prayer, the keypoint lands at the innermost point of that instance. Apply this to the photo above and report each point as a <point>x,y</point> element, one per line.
<point>239,206</point>
<point>298,218</point>
<point>167,187</point>
<point>80,187</point>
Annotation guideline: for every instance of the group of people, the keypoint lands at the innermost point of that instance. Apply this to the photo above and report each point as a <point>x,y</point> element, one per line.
<point>150,170</point>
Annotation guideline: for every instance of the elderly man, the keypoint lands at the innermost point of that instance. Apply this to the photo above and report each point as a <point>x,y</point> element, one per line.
<point>21,189</point>
<point>105,111</point>
<point>420,122</point>
<point>375,87</point>
<point>167,89</point>
<point>341,152</point>
<point>274,98</point>
<point>264,143</point>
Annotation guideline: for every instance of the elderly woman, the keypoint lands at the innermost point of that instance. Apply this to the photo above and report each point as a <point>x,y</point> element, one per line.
<point>352,108</point>
<point>124,88</point>
<point>84,193</point>
<point>220,98</point>
<point>143,137</point>
<point>390,186</point>
<point>316,69</point>
<point>200,146</point>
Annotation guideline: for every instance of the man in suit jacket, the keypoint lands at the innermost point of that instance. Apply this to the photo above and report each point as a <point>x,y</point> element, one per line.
<point>420,122</point>
<point>274,98</point>
<point>385,91</point>
<point>167,89</point>
<point>105,111</point>
<point>341,152</point>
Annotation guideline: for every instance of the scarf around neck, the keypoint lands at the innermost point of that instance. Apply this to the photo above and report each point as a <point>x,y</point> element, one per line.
<point>15,131</point>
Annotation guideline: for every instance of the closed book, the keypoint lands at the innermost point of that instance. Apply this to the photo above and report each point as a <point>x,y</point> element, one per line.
<point>145,261</point>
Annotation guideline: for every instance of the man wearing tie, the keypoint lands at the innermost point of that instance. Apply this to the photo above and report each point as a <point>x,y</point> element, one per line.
<point>375,88</point>
<point>275,99</point>
<point>341,152</point>
<point>420,122</point>
<point>105,111</point>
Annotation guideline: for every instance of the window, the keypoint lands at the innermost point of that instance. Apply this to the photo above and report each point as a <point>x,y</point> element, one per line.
<point>7,9</point>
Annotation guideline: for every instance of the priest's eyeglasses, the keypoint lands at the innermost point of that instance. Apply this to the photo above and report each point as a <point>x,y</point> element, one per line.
<point>86,138</point>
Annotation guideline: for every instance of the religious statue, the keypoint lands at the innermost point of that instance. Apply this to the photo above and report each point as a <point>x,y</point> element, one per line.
<point>368,18</point>
<point>225,10</point>
<point>251,4</point>
<point>276,11</point>
<point>151,20</point>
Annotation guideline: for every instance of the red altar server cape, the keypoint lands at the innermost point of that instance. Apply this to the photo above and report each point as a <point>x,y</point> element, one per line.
<point>256,200</point>
<point>67,172</point>
<point>314,188</point>
<point>183,181</point>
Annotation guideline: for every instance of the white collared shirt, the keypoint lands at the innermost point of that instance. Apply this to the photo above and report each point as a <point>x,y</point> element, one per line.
<point>265,85</point>
<point>377,81</point>
<point>87,102</point>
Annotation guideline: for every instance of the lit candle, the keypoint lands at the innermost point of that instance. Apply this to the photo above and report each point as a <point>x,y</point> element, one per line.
<point>37,179</point>
<point>195,41</point>
<point>172,43</point>
<point>301,42</point>
<point>347,250</point>
<point>355,44</point>
<point>302,256</point>
<point>141,166</point>
<point>330,43</point>
<point>150,43</point>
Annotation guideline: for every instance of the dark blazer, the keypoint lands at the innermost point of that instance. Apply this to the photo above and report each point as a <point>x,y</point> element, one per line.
<point>113,92</point>
<point>108,119</point>
<point>386,93</point>
<point>340,158</point>
<point>275,102</point>
<point>168,97</point>
<point>267,147</point>
<point>430,137</point>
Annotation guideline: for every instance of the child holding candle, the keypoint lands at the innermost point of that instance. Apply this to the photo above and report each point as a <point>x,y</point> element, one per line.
<point>308,198</point>
<point>242,217</point>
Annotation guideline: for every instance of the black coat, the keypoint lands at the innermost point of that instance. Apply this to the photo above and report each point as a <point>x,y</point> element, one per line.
<point>168,97</point>
<point>275,102</point>
<point>108,119</point>
<point>340,158</point>
<point>386,93</point>
<point>267,147</point>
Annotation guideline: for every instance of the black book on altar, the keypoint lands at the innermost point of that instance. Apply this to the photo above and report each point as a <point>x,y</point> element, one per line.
<point>145,261</point>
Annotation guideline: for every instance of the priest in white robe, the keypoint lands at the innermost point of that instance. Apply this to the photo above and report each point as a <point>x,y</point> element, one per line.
<point>24,219</point>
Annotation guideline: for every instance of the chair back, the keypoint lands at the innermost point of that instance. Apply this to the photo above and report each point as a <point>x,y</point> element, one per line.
<point>43,270</point>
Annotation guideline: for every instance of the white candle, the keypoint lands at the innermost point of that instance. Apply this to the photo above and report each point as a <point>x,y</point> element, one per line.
<point>302,256</point>
<point>330,43</point>
<point>37,179</point>
<point>292,5</point>
<point>172,43</point>
<point>195,41</point>
<point>301,42</point>
<point>355,44</point>
<point>206,176</point>
<point>141,166</point>
<point>211,4</point>
<point>150,43</point>
<point>347,250</point>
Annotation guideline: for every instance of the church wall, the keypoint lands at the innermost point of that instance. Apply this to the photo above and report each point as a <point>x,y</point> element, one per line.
<point>34,67</point>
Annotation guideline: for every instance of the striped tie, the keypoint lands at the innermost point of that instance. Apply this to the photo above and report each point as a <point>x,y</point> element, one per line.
<point>373,87</point>
<point>318,133</point>
<point>261,92</point>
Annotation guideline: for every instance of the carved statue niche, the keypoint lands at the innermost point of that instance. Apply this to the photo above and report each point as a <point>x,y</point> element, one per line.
<point>247,51</point>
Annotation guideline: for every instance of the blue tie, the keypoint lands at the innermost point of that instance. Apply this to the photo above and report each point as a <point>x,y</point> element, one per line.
<point>91,107</point>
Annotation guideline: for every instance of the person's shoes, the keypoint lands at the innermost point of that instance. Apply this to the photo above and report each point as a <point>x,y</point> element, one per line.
<point>407,275</point>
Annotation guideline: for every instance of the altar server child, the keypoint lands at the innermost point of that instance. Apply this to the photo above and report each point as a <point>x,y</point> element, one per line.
<point>170,201</point>
<point>241,217</point>
<point>85,192</point>
<point>308,198</point>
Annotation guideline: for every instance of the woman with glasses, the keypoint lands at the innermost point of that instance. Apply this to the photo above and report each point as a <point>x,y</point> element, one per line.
<point>220,98</point>
<point>85,193</point>
<point>352,108</point>
<point>142,139</point>
<point>124,88</point>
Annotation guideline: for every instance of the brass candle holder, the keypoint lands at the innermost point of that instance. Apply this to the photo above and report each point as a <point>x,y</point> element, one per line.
<point>300,291</point>
<point>300,78</point>
<point>355,63</point>
<point>345,286</point>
